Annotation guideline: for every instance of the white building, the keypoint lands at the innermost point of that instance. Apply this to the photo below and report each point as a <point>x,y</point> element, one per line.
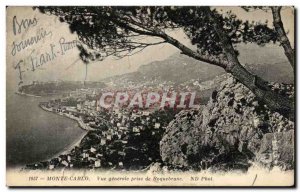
<point>103,141</point>
<point>157,125</point>
<point>93,149</point>
<point>51,166</point>
<point>136,130</point>
<point>65,163</point>
<point>98,163</point>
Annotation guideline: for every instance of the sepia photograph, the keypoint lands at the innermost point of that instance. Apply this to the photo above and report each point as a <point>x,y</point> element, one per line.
<point>150,96</point>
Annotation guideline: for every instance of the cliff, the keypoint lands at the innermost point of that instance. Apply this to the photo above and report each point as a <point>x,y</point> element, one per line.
<point>233,131</point>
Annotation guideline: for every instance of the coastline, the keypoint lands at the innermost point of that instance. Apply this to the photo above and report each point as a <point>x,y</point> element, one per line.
<point>69,148</point>
<point>26,94</point>
<point>81,124</point>
<point>77,142</point>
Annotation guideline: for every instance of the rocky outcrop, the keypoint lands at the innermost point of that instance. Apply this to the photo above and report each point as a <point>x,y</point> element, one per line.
<point>277,149</point>
<point>231,131</point>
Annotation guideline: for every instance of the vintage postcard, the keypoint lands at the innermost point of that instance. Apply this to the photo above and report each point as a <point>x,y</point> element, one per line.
<point>150,96</point>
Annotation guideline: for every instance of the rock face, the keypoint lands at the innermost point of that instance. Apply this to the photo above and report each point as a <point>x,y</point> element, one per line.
<point>277,149</point>
<point>231,131</point>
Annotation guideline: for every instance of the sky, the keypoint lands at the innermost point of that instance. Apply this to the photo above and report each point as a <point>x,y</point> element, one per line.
<point>66,65</point>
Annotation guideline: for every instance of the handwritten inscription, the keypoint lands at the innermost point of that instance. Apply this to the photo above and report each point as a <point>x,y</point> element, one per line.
<point>34,61</point>
<point>24,24</point>
<point>35,58</point>
<point>66,46</point>
<point>23,44</point>
<point>41,59</point>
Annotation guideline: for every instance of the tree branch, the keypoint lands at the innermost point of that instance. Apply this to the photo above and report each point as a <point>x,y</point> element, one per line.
<point>184,49</point>
<point>277,22</point>
<point>256,84</point>
<point>189,52</point>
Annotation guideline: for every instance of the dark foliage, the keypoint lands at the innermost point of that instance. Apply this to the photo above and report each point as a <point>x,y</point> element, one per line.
<point>119,31</point>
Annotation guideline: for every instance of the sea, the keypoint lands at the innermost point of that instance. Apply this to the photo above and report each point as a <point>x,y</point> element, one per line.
<point>34,135</point>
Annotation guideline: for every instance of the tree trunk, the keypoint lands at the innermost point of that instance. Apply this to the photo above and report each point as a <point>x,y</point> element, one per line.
<point>283,39</point>
<point>260,88</point>
<point>257,85</point>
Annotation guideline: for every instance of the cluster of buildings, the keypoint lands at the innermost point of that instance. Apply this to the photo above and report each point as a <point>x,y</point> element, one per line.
<point>117,138</point>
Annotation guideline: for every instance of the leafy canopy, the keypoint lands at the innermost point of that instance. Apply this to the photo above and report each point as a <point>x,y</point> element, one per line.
<point>119,31</point>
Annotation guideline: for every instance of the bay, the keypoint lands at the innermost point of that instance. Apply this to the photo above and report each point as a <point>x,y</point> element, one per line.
<point>34,135</point>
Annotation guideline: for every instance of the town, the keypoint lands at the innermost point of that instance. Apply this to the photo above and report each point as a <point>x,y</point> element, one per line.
<point>117,138</point>
<point>121,136</point>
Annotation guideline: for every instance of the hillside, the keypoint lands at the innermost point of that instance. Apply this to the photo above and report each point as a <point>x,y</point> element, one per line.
<point>177,69</point>
<point>180,69</point>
